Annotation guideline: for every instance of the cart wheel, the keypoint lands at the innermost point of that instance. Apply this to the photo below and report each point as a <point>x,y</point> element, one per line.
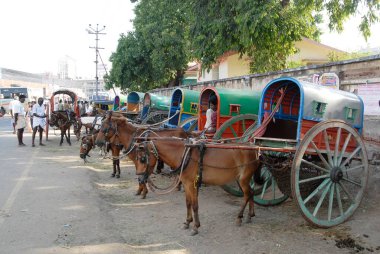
<point>268,194</point>
<point>329,173</point>
<point>155,117</point>
<point>189,124</point>
<point>235,127</point>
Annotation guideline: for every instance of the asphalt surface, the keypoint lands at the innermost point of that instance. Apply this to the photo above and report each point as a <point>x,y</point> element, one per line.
<point>47,203</point>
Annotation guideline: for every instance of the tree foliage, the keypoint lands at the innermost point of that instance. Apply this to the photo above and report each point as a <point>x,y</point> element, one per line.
<point>157,53</point>
<point>168,34</point>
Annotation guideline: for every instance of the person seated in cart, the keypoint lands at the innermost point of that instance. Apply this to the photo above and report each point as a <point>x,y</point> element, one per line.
<point>211,115</point>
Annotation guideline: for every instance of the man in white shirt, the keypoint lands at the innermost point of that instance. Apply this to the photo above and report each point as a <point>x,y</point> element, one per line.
<point>11,104</point>
<point>19,117</point>
<point>39,121</point>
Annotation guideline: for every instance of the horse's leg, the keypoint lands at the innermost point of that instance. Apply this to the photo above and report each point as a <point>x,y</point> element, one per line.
<point>68,133</point>
<point>140,188</point>
<point>248,198</point>
<point>160,166</point>
<point>113,168</point>
<point>62,134</point>
<point>194,204</point>
<point>144,190</point>
<point>189,214</point>
<point>118,168</point>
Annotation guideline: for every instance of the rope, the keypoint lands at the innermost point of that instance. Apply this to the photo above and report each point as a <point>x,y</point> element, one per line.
<point>178,179</point>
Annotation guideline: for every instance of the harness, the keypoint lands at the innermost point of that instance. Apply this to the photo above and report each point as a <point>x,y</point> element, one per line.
<point>198,179</point>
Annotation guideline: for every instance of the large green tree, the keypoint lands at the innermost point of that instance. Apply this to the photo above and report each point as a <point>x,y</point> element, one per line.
<point>266,30</point>
<point>170,33</point>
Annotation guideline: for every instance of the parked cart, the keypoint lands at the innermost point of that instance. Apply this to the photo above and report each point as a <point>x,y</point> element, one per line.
<point>184,107</point>
<point>236,111</point>
<point>309,139</point>
<point>155,108</point>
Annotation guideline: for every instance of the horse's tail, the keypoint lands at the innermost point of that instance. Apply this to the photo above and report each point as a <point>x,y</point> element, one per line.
<point>257,177</point>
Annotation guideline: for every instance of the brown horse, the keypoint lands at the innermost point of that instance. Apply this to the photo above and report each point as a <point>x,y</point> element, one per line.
<point>63,120</point>
<point>118,128</point>
<point>88,142</point>
<point>209,164</point>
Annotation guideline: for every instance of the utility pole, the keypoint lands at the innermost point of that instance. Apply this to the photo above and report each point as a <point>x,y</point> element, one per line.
<point>96,31</point>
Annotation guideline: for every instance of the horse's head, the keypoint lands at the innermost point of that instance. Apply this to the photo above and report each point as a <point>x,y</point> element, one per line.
<point>146,158</point>
<point>86,146</point>
<point>108,129</point>
<point>115,129</point>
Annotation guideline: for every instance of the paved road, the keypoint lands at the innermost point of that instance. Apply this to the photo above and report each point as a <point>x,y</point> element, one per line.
<point>47,202</point>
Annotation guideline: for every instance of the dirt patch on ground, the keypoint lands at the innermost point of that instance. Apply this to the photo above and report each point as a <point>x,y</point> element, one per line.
<point>154,225</point>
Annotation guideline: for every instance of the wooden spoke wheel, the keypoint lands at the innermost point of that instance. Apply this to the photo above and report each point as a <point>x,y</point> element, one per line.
<point>189,124</point>
<point>329,173</point>
<point>268,194</point>
<point>236,127</point>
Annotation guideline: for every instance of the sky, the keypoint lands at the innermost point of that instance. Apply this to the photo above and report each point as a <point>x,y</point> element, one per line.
<point>36,34</point>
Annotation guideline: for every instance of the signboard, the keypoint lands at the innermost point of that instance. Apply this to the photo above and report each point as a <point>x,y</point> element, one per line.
<point>370,95</point>
<point>329,80</point>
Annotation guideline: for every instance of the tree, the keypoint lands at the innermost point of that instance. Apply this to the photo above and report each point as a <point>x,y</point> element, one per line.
<point>266,30</point>
<point>168,34</point>
<point>159,45</point>
<point>130,65</point>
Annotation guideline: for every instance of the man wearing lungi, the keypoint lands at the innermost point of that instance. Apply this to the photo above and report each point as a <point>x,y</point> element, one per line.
<point>39,120</point>
<point>19,116</point>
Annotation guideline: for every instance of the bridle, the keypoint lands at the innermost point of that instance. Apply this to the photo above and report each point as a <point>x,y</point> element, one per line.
<point>145,158</point>
<point>115,137</point>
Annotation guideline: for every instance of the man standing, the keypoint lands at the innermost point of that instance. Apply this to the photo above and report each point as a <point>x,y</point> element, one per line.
<point>19,117</point>
<point>11,105</point>
<point>39,121</point>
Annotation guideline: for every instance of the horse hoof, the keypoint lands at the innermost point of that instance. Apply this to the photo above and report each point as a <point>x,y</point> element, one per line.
<point>238,222</point>
<point>112,175</point>
<point>248,220</point>
<point>137,193</point>
<point>194,232</point>
<point>118,176</point>
<point>185,226</point>
<point>143,196</point>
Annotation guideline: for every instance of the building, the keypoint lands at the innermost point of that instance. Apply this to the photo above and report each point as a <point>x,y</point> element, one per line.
<point>230,64</point>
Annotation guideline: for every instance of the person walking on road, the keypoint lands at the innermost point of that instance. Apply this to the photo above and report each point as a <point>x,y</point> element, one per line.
<point>19,117</point>
<point>39,121</point>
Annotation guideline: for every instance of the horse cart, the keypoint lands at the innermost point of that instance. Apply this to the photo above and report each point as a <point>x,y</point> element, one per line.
<point>155,108</point>
<point>119,102</point>
<point>309,140</point>
<point>183,108</point>
<point>63,119</point>
<point>236,111</point>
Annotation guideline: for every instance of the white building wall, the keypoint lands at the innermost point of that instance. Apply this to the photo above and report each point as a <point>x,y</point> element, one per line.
<point>223,70</point>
